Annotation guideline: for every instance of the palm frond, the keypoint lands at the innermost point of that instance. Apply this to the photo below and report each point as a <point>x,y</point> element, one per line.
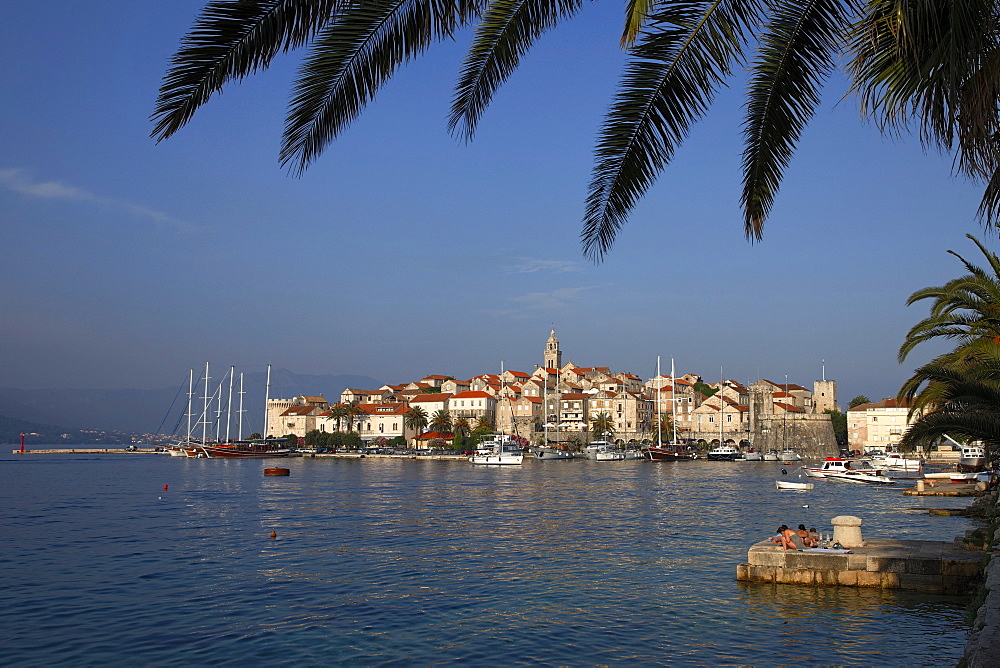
<point>231,39</point>
<point>507,30</point>
<point>795,56</point>
<point>685,54</point>
<point>351,59</point>
<point>636,12</point>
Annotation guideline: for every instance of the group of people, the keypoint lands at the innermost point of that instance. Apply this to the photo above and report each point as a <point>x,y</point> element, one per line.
<point>790,539</point>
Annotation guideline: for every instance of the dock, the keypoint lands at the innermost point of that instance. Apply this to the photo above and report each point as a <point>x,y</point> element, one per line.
<point>85,451</point>
<point>918,565</point>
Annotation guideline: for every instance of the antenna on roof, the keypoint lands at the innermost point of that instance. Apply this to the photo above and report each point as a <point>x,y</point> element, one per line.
<point>824,369</point>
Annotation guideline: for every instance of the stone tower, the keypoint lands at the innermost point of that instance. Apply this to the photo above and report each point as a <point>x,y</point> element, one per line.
<point>825,395</point>
<point>553,356</point>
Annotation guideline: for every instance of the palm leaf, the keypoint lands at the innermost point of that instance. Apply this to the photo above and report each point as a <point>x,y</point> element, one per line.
<point>685,53</point>
<point>796,55</point>
<point>506,32</point>
<point>351,59</point>
<point>231,39</point>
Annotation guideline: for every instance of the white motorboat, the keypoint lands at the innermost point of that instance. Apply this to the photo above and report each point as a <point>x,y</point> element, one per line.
<point>753,456</point>
<point>500,451</point>
<point>787,484</point>
<point>972,459</point>
<point>790,456</point>
<point>859,477</point>
<point>969,476</point>
<point>547,452</point>
<point>894,462</point>
<point>834,465</point>
<point>603,451</point>
<point>723,453</point>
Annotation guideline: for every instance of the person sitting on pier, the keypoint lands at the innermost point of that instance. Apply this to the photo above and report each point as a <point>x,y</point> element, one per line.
<point>814,536</point>
<point>790,540</point>
<point>804,535</point>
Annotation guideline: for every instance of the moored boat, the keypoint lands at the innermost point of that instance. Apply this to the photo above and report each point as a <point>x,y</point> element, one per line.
<point>972,459</point>
<point>548,452</point>
<point>859,477</point>
<point>669,453</point>
<point>834,465</point>
<point>787,484</point>
<point>723,453</point>
<point>499,451</point>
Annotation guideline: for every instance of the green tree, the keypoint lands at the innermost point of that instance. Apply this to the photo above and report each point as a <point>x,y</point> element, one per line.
<point>354,413</point>
<point>441,420</point>
<point>602,424</point>
<point>839,422</point>
<point>482,429</point>
<point>858,400</point>
<point>923,66</point>
<point>461,427</point>
<point>704,388</point>
<point>415,419</point>
<point>339,414</point>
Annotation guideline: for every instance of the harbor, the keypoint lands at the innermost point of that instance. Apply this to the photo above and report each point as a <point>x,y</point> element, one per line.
<point>387,559</point>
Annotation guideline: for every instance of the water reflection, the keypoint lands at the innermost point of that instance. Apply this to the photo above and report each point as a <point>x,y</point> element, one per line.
<point>380,561</point>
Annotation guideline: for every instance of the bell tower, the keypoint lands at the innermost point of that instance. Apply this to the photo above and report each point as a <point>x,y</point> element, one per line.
<point>553,356</point>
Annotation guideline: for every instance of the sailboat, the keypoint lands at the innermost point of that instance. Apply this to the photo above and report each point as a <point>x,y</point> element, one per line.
<point>674,450</point>
<point>500,450</point>
<point>207,448</point>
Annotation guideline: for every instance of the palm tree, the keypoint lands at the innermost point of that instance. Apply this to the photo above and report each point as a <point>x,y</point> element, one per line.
<point>462,427</point>
<point>338,412</point>
<point>966,309</point>
<point>415,419</point>
<point>962,400</point>
<point>441,420</point>
<point>602,424</point>
<point>922,63</point>
<point>355,413</point>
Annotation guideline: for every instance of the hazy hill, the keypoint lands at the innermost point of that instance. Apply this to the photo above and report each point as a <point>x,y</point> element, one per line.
<point>143,411</point>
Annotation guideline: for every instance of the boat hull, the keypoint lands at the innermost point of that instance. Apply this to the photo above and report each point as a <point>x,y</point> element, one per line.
<point>781,484</point>
<point>667,454</point>
<point>497,459</point>
<point>553,453</point>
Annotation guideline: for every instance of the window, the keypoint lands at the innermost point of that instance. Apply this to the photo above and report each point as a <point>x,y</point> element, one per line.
<point>711,419</point>
<point>729,418</point>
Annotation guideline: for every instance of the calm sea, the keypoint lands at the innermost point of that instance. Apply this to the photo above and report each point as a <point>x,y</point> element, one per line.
<point>383,562</point>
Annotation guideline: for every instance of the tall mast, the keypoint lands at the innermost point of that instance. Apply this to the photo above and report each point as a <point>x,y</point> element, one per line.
<point>240,433</point>
<point>204,411</point>
<point>267,398</point>
<point>722,402</point>
<point>190,402</point>
<point>545,403</point>
<point>673,399</point>
<point>229,404</point>
<point>659,404</point>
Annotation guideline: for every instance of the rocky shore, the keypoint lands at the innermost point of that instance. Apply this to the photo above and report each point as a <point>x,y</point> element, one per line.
<point>983,647</point>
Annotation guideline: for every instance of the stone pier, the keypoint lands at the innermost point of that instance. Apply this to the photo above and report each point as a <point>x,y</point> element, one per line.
<point>919,565</point>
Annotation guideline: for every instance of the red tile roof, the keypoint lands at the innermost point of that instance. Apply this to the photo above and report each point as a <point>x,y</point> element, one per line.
<point>472,394</point>
<point>788,407</point>
<point>430,398</point>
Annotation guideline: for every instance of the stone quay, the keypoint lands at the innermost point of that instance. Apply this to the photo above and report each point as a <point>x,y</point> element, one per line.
<point>936,567</point>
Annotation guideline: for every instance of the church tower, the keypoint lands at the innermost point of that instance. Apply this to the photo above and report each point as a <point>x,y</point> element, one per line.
<point>553,356</point>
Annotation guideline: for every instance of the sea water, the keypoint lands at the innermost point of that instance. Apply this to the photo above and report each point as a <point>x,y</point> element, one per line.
<point>143,559</point>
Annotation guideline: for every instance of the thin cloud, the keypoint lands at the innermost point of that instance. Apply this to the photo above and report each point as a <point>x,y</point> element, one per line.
<point>17,181</point>
<point>531,265</point>
<point>552,300</point>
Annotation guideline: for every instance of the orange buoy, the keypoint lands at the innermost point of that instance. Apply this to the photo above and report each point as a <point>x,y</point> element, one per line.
<point>276,471</point>
<point>164,488</point>
<point>274,534</point>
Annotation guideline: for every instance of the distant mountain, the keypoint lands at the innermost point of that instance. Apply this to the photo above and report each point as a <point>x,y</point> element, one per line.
<point>36,434</point>
<point>144,411</point>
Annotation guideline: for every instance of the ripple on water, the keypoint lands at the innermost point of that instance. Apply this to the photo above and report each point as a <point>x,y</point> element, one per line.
<point>402,562</point>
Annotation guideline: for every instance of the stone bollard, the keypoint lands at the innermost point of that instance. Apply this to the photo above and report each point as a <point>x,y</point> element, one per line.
<point>847,531</point>
<point>920,485</point>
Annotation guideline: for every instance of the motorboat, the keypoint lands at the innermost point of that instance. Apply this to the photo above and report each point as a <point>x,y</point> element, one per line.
<point>895,462</point>
<point>969,476</point>
<point>603,451</point>
<point>669,453</point>
<point>723,453</point>
<point>834,465</point>
<point>972,459</point>
<point>790,456</point>
<point>859,477</point>
<point>499,451</point>
<point>548,452</point>
<point>786,484</point>
<point>752,455</point>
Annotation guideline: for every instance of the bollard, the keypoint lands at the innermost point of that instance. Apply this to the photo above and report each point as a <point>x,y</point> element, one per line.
<point>920,485</point>
<point>847,531</point>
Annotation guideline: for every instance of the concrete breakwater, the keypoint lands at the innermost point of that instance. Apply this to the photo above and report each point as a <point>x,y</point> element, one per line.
<point>919,565</point>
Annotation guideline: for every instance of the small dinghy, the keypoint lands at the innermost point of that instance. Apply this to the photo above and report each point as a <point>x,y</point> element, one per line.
<point>782,484</point>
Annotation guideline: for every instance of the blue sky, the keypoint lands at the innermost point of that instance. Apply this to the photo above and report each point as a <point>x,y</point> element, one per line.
<point>404,252</point>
